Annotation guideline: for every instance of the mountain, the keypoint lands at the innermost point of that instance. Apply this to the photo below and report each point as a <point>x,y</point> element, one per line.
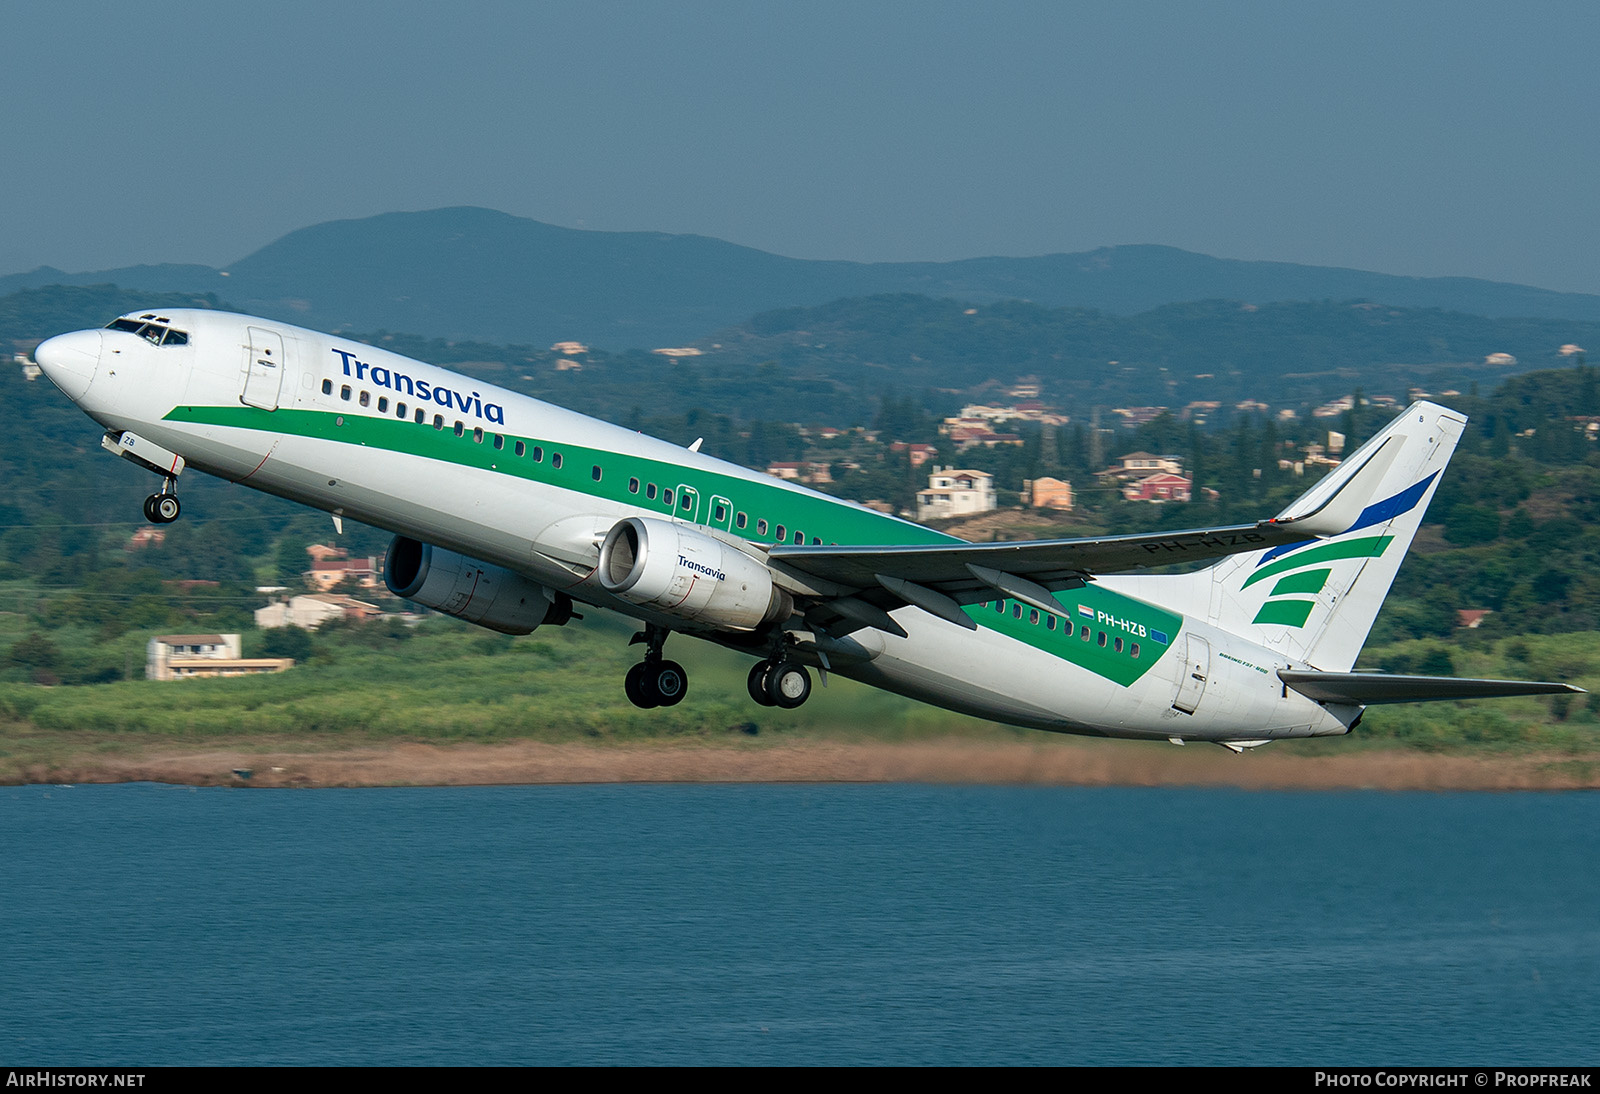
<point>466,273</point>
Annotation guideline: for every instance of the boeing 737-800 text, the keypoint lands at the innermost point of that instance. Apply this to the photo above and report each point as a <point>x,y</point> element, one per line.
<point>507,510</point>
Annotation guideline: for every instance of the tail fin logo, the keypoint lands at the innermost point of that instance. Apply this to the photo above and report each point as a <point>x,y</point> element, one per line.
<point>1303,566</point>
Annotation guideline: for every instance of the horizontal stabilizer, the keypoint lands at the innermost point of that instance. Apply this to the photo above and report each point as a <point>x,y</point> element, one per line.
<point>1365,688</point>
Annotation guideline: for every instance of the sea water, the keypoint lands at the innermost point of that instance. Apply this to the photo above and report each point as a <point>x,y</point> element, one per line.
<point>812,924</point>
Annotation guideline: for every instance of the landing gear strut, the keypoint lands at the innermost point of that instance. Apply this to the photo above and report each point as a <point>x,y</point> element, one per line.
<point>163,508</point>
<point>655,682</point>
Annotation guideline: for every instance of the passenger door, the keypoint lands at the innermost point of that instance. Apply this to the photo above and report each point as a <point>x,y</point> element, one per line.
<point>1193,674</point>
<point>688,509</point>
<point>264,369</point>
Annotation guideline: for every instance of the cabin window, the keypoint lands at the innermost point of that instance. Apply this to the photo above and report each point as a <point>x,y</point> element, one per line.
<point>650,491</point>
<point>686,500</point>
<point>816,541</point>
<point>344,393</point>
<point>555,460</point>
<point>383,404</point>
<point>666,496</point>
<point>1086,632</point>
<point>327,387</point>
<point>438,421</point>
<point>799,537</point>
<point>538,454</point>
<point>1117,645</point>
<point>1101,641</point>
<point>522,449</point>
<point>477,435</point>
<point>761,526</point>
<point>1033,617</point>
<point>1133,651</point>
<point>719,513</point>
<point>594,472</point>
<point>1016,609</point>
<point>1000,606</point>
<point>499,442</point>
<point>1066,627</point>
<point>740,521</point>
<point>460,429</point>
<point>366,398</point>
<point>633,486</point>
<point>400,410</point>
<point>420,415</point>
<point>781,537</point>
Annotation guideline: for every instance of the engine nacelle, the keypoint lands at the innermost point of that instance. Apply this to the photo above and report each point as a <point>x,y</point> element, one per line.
<point>673,569</point>
<point>489,596</point>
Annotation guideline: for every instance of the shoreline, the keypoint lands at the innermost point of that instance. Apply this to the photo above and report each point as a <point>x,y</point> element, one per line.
<point>948,760</point>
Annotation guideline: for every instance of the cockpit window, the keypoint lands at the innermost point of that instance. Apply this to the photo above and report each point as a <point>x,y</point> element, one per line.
<point>154,333</point>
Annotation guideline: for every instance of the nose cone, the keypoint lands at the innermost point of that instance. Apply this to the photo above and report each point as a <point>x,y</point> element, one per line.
<point>70,360</point>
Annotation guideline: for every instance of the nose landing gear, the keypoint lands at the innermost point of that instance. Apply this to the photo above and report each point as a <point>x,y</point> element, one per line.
<point>163,508</point>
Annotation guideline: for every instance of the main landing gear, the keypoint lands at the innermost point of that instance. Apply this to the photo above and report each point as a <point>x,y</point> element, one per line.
<point>655,681</point>
<point>163,508</point>
<point>778,682</point>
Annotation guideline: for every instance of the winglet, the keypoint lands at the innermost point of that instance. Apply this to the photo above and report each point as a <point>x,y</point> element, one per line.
<point>1349,490</point>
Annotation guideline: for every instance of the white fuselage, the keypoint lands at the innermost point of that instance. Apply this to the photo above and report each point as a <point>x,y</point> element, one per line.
<point>534,488</point>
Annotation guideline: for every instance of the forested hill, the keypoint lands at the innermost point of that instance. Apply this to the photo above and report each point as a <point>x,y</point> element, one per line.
<point>1280,354</point>
<point>832,362</point>
<point>468,273</point>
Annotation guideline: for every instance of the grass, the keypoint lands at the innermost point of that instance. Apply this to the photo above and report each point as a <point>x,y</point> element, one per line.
<point>449,682</point>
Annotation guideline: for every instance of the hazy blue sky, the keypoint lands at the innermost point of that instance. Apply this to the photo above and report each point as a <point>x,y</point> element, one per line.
<point>1413,138</point>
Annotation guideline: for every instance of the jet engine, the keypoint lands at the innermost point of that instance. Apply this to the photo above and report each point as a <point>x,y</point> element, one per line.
<point>673,569</point>
<point>489,596</point>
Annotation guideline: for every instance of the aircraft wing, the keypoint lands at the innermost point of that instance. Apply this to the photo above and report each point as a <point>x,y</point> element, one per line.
<point>941,578</point>
<point>852,587</point>
<point>1054,563</point>
<point>1366,688</point>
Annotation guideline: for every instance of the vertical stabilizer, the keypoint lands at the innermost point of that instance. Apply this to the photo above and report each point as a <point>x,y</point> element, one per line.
<point>1316,600</point>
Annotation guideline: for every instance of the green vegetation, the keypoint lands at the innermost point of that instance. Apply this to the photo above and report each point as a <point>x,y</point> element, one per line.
<point>444,682</point>
<point>1514,531</point>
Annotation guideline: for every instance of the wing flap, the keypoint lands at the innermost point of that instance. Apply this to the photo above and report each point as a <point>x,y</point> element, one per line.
<point>1052,563</point>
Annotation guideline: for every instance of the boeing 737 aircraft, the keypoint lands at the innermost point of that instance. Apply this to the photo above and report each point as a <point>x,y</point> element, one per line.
<point>507,511</point>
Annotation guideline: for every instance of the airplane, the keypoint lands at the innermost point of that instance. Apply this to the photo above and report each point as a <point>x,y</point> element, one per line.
<point>508,512</point>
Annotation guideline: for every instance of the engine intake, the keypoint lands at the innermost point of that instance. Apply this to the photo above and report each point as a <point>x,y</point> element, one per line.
<point>673,569</point>
<point>490,596</point>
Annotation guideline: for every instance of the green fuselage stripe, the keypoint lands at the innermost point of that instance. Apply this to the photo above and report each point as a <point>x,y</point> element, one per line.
<point>816,516</point>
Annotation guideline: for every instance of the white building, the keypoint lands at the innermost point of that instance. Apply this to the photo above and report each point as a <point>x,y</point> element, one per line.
<point>183,656</point>
<point>311,610</point>
<point>955,493</point>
